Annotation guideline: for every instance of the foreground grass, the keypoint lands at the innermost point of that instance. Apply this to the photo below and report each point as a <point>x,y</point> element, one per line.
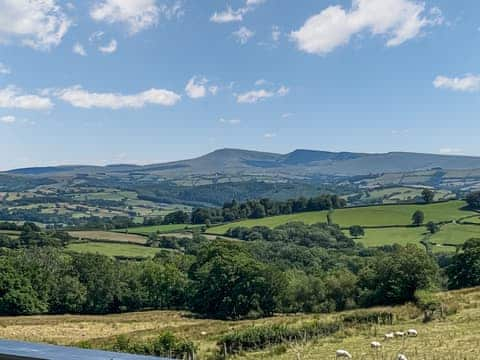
<point>455,338</point>
<point>114,249</point>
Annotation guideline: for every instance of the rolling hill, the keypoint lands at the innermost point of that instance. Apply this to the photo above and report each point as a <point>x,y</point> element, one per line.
<point>299,162</point>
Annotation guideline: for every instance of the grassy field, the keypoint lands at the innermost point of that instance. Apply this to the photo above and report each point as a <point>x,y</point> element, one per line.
<point>455,338</point>
<point>108,236</point>
<point>402,236</point>
<point>365,216</point>
<point>162,229</point>
<point>113,250</point>
<point>456,234</point>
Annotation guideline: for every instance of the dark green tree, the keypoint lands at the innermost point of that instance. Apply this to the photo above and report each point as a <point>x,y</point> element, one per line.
<point>465,268</point>
<point>356,231</point>
<point>473,200</point>
<point>418,218</point>
<point>428,195</point>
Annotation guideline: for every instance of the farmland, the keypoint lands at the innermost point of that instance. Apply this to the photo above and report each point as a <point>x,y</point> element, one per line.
<point>454,338</point>
<point>114,249</point>
<point>375,216</point>
<point>161,229</point>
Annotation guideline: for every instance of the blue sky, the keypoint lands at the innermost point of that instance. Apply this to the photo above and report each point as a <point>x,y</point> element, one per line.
<point>143,81</point>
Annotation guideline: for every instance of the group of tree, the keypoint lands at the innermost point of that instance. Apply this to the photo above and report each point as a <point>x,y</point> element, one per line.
<point>257,209</point>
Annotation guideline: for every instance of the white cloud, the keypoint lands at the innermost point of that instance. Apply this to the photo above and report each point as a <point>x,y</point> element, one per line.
<point>13,97</point>
<point>138,15</point>
<point>467,83</point>
<point>110,48</point>
<point>255,2</point>
<point>8,119</point>
<point>196,88</point>
<point>96,36</point>
<point>230,121</point>
<point>39,24</point>
<point>213,89</point>
<point>255,96</point>
<point>397,20</point>
<point>231,15</point>
<point>276,33</point>
<point>261,82</point>
<point>252,97</point>
<point>4,69</point>
<point>283,91</point>
<point>287,115</point>
<point>243,35</point>
<point>79,49</point>
<point>78,97</point>
<point>227,16</point>
<point>269,135</point>
<point>451,151</point>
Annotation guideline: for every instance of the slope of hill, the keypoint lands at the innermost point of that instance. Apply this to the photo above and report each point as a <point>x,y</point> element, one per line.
<point>298,162</point>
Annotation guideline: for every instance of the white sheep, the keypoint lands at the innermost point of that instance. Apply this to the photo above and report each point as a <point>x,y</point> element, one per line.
<point>203,333</point>
<point>343,354</point>
<point>389,336</point>
<point>375,345</point>
<point>400,334</point>
<point>412,332</point>
<point>401,357</point>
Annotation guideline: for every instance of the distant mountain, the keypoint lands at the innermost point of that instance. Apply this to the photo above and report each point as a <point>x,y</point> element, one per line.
<point>297,163</point>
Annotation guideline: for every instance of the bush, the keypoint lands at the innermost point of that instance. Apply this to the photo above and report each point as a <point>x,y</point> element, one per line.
<point>261,337</point>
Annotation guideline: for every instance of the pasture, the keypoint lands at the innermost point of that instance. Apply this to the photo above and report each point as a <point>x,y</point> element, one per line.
<point>161,229</point>
<point>114,249</point>
<point>454,338</point>
<point>373,216</point>
<point>108,236</point>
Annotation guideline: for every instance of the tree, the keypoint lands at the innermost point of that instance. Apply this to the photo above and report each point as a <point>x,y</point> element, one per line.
<point>433,228</point>
<point>394,278</point>
<point>428,195</point>
<point>418,218</point>
<point>473,200</point>
<point>229,284</point>
<point>465,268</point>
<point>356,231</point>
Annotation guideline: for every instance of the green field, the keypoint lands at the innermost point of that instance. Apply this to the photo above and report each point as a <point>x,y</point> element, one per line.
<point>402,236</point>
<point>113,250</point>
<point>386,215</point>
<point>456,234</point>
<point>162,229</point>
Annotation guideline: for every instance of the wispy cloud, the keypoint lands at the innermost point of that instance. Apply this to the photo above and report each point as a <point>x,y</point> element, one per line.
<point>467,83</point>
<point>197,88</point>
<point>254,96</point>
<point>110,48</point>
<point>230,121</point>
<point>78,97</point>
<point>8,119</point>
<point>15,98</point>
<point>231,15</point>
<point>79,49</point>
<point>243,35</point>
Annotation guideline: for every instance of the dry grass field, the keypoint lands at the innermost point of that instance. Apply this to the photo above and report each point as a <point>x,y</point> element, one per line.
<point>109,236</point>
<point>455,338</point>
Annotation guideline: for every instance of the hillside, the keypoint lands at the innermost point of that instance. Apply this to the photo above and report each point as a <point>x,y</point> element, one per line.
<point>298,162</point>
<point>452,338</point>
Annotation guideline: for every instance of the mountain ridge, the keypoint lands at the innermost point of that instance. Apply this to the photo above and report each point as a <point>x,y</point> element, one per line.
<point>300,161</point>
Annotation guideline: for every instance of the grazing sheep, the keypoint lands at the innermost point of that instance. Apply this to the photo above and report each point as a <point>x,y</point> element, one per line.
<point>412,332</point>
<point>401,357</point>
<point>375,345</point>
<point>400,334</point>
<point>343,354</point>
<point>389,336</point>
<point>203,333</point>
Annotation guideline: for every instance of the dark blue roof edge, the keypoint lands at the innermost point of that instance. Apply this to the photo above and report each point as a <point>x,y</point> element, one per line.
<point>32,351</point>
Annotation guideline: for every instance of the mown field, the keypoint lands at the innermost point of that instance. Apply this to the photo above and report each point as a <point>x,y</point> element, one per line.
<point>113,249</point>
<point>161,229</point>
<point>455,338</point>
<point>108,236</point>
